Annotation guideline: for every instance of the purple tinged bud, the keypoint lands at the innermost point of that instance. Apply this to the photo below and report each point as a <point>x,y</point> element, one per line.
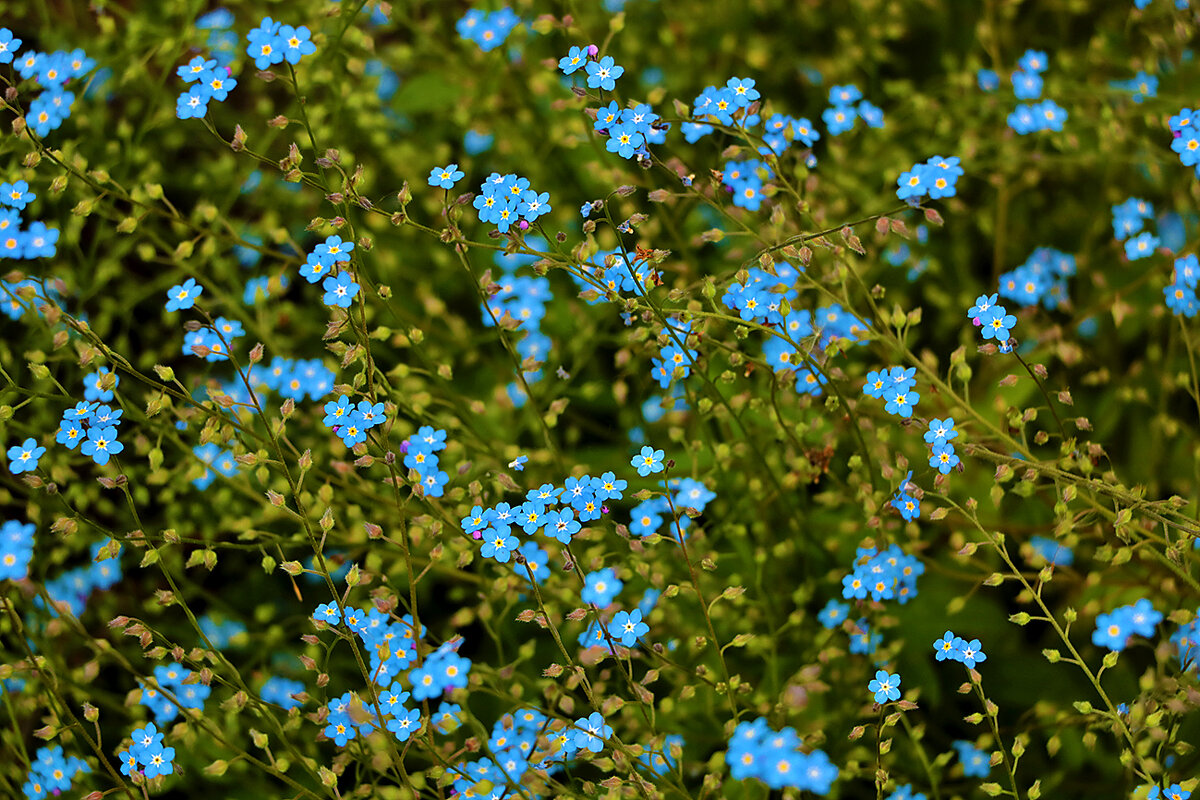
<point>593,51</point>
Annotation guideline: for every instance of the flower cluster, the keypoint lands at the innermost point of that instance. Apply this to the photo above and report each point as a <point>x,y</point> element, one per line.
<point>19,297</point>
<point>1185,132</point>
<point>323,263</point>
<point>629,130</point>
<point>622,627</point>
<point>295,378</point>
<point>51,772</point>
<point>351,422</point>
<point>36,241</point>
<point>886,575</point>
<point>52,72</point>
<point>842,113</point>
<point>942,456</point>
<point>487,30</point>
<point>675,358</point>
<point>213,342</point>
<point>937,178</point>
<point>92,427</point>
<point>647,517</point>
<point>273,43</point>
<point>16,549</point>
<point>609,275</point>
<point>391,645</point>
<point>992,319</point>
<point>211,81</point>
<point>507,200</point>
<point>521,299</point>
<point>73,587</point>
<point>955,648</point>
<point>421,455</point>
<point>745,180</point>
<point>1114,628</point>
<point>895,387</point>
<point>582,499</point>
<point>905,500</point>
<point>148,755</point>
<point>775,758</point>
<point>1181,293</point>
<point>1027,85</point>
<point>1129,217</point>
<point>1042,278</point>
<point>173,678</point>
<point>899,254</point>
<point>727,105</point>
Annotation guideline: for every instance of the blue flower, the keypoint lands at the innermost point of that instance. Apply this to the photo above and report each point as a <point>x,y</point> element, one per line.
<point>914,183</point>
<point>886,686</point>
<point>1187,145</point>
<point>184,295</point>
<point>647,461</point>
<point>24,457</point>
<point>603,74</point>
<point>8,46</point>
<point>445,177</point>
<point>947,647</point>
<point>601,587</point>
<point>101,444</point>
<point>573,60</point>
<point>16,194</point>
<point>627,627</point>
<point>1027,85</point>
<point>996,323</point>
<point>498,544</point>
<point>943,458</point>
<point>93,386</point>
<point>940,431</point>
<point>295,42</point>
<point>839,119</point>
<point>1141,246</point>
<point>219,83</point>
<point>969,653</point>
<point>901,402</point>
<point>194,69</point>
<point>533,205</point>
<point>833,614</point>
<point>591,732</point>
<point>193,103</point>
<point>1034,61</point>
<point>340,290</point>
<point>975,762</point>
<point>265,45</point>
<point>870,114</point>
<point>624,140</point>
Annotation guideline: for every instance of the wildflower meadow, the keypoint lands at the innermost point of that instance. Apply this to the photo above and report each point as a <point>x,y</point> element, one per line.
<point>614,399</point>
